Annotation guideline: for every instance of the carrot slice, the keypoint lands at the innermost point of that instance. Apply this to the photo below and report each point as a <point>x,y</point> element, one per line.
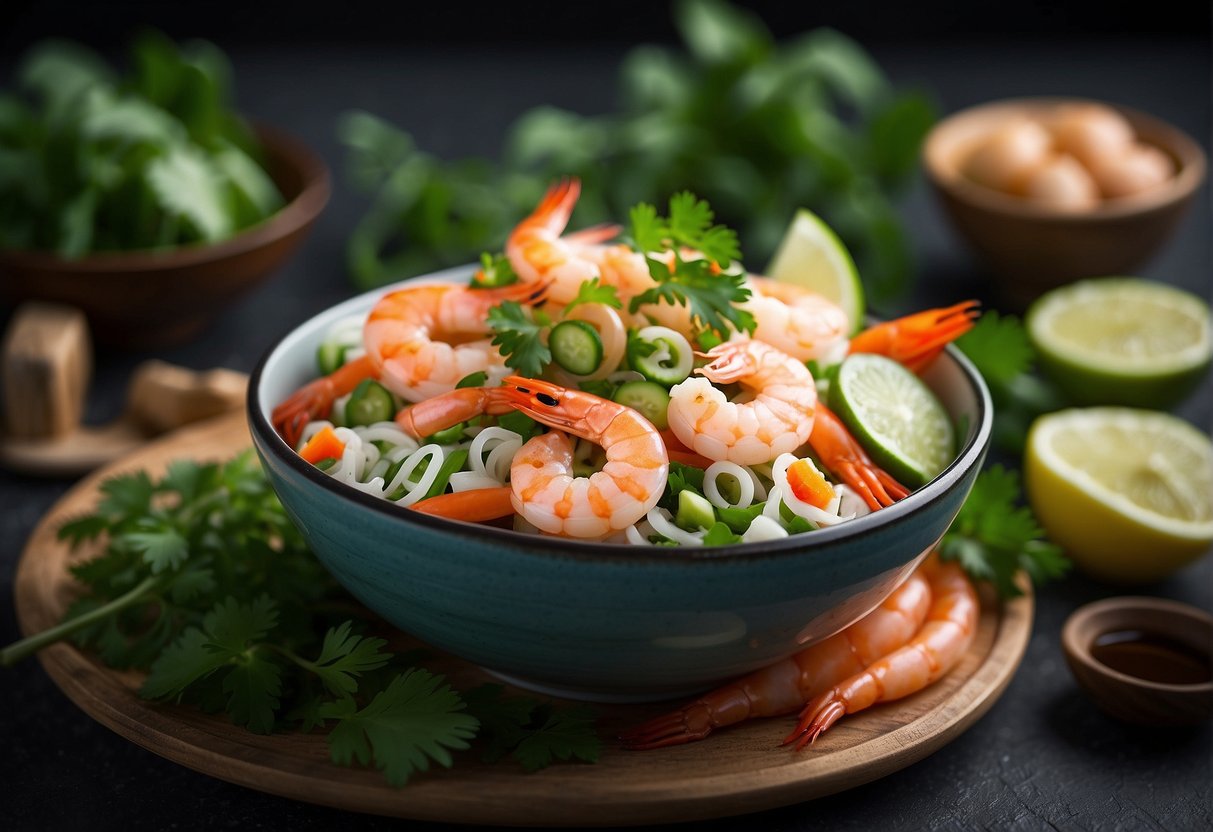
<point>808,484</point>
<point>323,445</point>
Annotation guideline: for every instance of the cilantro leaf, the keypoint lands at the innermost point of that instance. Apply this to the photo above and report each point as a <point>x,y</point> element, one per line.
<point>126,494</point>
<point>88,527</point>
<point>161,550</point>
<point>232,626</point>
<point>566,734</point>
<point>993,537</point>
<point>343,656</point>
<point>416,719</point>
<point>253,687</point>
<point>519,338</point>
<point>998,346</point>
<point>711,296</point>
<point>503,719</point>
<point>185,661</point>
<point>591,291</point>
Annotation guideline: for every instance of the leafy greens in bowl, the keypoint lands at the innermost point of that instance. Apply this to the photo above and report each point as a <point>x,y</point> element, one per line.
<point>146,202</point>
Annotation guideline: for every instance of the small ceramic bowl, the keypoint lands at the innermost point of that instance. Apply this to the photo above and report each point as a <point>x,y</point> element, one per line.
<point>596,620</point>
<point>1033,248</point>
<point>158,298</point>
<point>1129,697</point>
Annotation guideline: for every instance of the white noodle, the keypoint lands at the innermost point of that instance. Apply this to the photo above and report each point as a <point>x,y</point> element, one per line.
<point>469,480</point>
<point>660,520</point>
<point>763,528</point>
<point>745,484</point>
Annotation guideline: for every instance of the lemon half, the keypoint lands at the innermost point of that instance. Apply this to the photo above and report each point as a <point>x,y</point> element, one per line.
<point>1127,493</point>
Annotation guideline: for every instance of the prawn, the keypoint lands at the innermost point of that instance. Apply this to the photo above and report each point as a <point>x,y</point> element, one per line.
<point>537,252</point>
<point>916,340</point>
<point>937,647</point>
<point>778,420</point>
<point>416,341</point>
<point>543,488</point>
<point>800,322</point>
<point>785,686</point>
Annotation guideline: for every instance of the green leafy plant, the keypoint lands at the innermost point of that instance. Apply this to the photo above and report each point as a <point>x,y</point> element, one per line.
<point>757,127</point>
<point>204,583</point>
<point>94,161</point>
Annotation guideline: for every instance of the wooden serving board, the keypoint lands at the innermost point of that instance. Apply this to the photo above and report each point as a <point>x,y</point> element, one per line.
<point>735,771</point>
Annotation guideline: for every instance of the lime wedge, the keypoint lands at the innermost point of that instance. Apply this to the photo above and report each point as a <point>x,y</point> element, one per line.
<point>1128,493</point>
<point>894,416</point>
<point>1122,340</point>
<point>812,256</point>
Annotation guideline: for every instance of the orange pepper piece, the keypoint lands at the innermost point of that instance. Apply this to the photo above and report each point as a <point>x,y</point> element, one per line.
<point>808,484</point>
<point>323,445</point>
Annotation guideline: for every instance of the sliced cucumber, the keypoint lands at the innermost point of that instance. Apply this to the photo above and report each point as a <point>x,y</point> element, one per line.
<point>330,356</point>
<point>661,354</point>
<point>649,398</point>
<point>369,403</point>
<point>576,346</point>
<point>694,512</point>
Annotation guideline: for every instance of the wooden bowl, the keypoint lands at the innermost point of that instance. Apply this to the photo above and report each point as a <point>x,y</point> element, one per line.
<point>158,298</point>
<point>1033,248</point>
<point>1130,698</point>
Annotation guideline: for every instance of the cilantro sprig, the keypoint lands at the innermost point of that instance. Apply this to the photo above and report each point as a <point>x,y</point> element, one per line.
<point>993,537</point>
<point>710,285</point>
<point>519,336</point>
<point>204,583</point>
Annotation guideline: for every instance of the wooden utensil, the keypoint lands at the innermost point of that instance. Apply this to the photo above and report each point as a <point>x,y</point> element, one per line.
<point>47,364</point>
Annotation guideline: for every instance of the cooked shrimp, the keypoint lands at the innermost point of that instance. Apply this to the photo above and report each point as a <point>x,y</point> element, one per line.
<point>417,343</point>
<point>778,420</point>
<point>845,457</point>
<point>801,323</point>
<point>544,489</point>
<point>418,338</point>
<point>785,686</point>
<point>938,646</point>
<point>917,339</point>
<point>547,493</point>
<point>538,253</point>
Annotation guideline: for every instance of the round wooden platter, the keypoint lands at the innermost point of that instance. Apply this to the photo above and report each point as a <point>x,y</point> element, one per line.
<point>742,769</point>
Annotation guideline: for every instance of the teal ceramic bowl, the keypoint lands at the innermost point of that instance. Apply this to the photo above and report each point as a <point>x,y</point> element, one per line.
<point>605,621</point>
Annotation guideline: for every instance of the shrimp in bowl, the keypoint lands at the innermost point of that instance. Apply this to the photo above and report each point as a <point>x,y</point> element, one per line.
<point>562,496</point>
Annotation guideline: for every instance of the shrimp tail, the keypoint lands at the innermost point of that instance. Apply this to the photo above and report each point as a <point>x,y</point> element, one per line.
<point>818,716</point>
<point>594,235</point>
<point>475,505</point>
<point>846,458</point>
<point>314,399</point>
<point>427,417</point>
<point>689,724</point>
<point>916,340</point>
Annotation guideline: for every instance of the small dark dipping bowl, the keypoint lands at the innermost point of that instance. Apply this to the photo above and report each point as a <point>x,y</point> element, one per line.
<point>605,621</point>
<point>1166,637</point>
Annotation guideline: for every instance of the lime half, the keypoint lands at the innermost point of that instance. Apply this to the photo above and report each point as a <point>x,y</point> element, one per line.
<point>1127,493</point>
<point>1122,341</point>
<point>894,416</point>
<point>812,256</point>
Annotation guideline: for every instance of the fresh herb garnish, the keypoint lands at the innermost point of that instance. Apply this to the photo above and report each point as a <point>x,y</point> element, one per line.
<point>591,291</point>
<point>205,584</point>
<point>710,285</point>
<point>520,337</point>
<point>993,537</point>
<point>998,345</point>
<point>495,270</point>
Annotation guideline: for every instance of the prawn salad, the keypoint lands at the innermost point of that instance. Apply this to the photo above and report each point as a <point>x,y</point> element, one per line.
<point>636,387</point>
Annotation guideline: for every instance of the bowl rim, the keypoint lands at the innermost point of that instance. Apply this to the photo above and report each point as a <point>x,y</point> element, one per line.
<point>268,441</point>
<point>1079,649</point>
<point>290,218</point>
<point>1182,147</point>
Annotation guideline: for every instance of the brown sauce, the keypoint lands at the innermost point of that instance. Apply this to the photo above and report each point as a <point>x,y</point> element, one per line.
<point>1152,657</point>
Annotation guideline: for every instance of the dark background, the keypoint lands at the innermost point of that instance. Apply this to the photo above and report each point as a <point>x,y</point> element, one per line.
<point>553,23</point>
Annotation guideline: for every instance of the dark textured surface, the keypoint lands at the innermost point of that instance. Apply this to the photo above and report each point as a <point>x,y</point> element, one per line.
<point>1043,757</point>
